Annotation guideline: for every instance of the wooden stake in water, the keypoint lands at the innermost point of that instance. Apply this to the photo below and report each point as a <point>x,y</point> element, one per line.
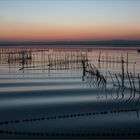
<point>127,62</point>
<point>117,79</point>
<point>129,80</point>
<point>112,78</point>
<point>139,82</point>
<point>134,70</point>
<point>122,76</point>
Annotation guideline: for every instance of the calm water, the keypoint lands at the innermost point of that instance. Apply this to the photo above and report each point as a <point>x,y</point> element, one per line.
<point>45,92</point>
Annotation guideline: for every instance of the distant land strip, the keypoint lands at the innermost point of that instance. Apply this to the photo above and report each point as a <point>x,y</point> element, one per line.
<point>102,43</point>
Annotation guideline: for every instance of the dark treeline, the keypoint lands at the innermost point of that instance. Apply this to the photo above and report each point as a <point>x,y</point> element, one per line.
<point>106,42</point>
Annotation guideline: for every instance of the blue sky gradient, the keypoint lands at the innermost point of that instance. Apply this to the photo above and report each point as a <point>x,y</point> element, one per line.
<point>72,14</point>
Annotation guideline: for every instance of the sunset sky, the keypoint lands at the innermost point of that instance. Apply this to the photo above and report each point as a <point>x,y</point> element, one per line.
<point>61,20</point>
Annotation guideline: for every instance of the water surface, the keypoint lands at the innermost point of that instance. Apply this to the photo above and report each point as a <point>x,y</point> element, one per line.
<point>44,92</point>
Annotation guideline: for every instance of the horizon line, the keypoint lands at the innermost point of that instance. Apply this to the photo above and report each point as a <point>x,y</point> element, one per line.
<point>116,42</point>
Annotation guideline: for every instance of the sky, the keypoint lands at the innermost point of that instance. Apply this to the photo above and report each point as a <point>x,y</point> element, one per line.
<point>69,20</point>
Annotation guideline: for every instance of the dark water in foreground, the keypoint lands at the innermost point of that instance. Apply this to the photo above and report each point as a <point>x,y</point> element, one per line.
<point>44,93</point>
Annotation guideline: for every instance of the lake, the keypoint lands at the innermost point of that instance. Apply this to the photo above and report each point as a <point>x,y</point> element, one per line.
<point>69,92</point>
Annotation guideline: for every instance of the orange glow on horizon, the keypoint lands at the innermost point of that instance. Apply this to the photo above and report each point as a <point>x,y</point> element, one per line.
<point>66,33</point>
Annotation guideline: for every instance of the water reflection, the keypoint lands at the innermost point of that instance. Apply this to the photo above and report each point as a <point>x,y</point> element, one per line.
<point>60,90</point>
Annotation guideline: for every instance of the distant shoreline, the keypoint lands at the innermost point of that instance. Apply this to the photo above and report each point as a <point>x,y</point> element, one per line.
<point>89,43</point>
<point>73,47</point>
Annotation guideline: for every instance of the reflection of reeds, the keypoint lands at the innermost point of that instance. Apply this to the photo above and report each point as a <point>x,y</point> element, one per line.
<point>96,77</point>
<point>57,60</point>
<point>44,58</point>
<point>131,85</point>
<point>53,59</point>
<point>15,56</point>
<point>117,80</point>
